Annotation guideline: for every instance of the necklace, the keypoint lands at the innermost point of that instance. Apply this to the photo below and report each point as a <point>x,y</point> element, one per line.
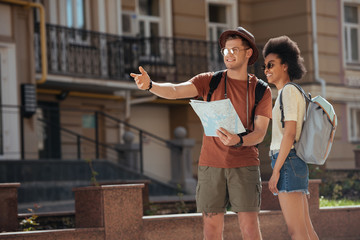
<point>247,97</point>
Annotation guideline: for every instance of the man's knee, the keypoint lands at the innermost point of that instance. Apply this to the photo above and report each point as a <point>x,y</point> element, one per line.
<point>249,225</point>
<point>213,225</point>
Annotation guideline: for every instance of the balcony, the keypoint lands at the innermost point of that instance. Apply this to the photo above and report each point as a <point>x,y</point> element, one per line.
<point>87,54</point>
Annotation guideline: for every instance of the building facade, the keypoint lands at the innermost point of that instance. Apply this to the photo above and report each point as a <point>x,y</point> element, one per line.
<point>85,100</point>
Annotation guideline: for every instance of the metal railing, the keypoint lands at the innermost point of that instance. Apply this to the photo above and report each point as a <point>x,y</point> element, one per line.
<point>142,134</point>
<point>81,53</point>
<point>79,139</point>
<point>72,143</point>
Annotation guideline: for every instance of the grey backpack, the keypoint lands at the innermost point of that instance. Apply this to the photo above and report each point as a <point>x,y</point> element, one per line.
<point>318,129</point>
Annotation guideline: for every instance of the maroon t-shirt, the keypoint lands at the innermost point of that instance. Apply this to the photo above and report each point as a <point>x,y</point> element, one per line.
<point>213,152</point>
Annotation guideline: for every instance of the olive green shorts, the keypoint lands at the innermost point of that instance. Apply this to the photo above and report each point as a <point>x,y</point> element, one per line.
<point>219,187</point>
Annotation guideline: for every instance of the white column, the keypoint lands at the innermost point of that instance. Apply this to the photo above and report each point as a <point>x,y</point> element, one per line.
<point>9,96</point>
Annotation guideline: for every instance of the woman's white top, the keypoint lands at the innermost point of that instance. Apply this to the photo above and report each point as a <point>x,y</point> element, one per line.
<point>294,110</point>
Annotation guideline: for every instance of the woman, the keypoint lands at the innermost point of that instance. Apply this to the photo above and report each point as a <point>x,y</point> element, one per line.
<point>290,176</point>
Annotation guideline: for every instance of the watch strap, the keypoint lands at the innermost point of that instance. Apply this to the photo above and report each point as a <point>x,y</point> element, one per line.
<point>240,143</point>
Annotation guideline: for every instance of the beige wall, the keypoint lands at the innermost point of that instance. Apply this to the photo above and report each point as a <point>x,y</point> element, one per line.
<point>352,77</point>
<point>16,23</point>
<point>330,32</point>
<point>341,155</point>
<point>295,22</point>
<point>110,132</point>
<point>189,22</point>
<point>245,14</point>
<point>111,16</point>
<point>5,21</point>
<point>184,115</point>
<point>329,40</point>
<point>128,5</point>
<point>154,119</point>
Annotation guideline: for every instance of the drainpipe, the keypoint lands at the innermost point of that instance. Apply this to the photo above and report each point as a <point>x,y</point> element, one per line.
<point>315,49</point>
<point>42,34</point>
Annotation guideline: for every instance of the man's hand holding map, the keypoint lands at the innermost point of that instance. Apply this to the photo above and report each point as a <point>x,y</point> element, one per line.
<point>216,114</point>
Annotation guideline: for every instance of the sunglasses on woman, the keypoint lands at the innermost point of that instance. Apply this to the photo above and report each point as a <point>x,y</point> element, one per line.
<point>269,65</point>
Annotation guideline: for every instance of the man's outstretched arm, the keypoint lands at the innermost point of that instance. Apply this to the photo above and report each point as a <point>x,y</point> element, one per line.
<point>164,90</point>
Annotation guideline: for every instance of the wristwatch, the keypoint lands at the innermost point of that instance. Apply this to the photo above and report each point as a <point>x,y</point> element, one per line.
<point>239,144</point>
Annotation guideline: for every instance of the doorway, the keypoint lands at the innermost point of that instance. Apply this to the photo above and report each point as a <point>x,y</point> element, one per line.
<point>49,144</point>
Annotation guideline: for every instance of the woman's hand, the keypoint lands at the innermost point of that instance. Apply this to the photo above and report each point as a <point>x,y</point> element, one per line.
<point>273,182</point>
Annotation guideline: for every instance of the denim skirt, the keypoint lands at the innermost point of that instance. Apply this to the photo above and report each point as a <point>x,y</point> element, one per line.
<point>294,174</point>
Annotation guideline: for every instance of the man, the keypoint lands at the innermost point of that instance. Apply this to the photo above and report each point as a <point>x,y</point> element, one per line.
<point>228,170</point>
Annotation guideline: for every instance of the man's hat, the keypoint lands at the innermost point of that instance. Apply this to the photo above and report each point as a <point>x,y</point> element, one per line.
<point>242,32</point>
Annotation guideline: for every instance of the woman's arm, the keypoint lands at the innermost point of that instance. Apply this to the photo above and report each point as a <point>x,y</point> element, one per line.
<point>285,147</point>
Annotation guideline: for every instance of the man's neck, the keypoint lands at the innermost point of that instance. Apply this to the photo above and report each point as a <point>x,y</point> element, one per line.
<point>238,74</point>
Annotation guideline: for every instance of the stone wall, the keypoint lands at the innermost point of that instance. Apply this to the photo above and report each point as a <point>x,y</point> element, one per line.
<point>115,212</point>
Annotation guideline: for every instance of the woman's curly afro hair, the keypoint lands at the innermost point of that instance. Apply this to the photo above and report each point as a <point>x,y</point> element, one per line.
<point>289,53</point>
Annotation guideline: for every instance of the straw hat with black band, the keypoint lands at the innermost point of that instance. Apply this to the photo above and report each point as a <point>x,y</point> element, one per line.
<point>243,33</point>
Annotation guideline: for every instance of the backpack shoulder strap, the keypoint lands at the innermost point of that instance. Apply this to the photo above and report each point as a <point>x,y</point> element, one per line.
<point>214,83</point>
<point>260,89</point>
<point>308,98</point>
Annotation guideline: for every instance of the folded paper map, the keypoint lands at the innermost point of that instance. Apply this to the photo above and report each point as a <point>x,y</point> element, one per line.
<point>216,114</point>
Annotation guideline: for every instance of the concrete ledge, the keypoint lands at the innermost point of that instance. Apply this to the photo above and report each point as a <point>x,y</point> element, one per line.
<point>66,234</point>
<point>115,212</point>
<point>9,206</point>
<point>329,223</point>
<point>116,208</point>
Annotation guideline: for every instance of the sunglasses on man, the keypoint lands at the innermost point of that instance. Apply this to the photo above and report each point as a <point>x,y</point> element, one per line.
<point>233,51</point>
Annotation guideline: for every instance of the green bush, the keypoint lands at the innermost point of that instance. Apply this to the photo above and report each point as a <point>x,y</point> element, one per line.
<point>337,184</point>
<point>338,203</point>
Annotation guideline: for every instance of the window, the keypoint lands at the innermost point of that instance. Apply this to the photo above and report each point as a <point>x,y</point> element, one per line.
<point>217,21</point>
<point>222,16</point>
<point>351,33</point>
<point>128,23</point>
<point>149,7</point>
<point>354,123</point>
<point>75,14</point>
<point>149,24</point>
<point>149,18</point>
<point>88,121</point>
<point>75,18</point>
